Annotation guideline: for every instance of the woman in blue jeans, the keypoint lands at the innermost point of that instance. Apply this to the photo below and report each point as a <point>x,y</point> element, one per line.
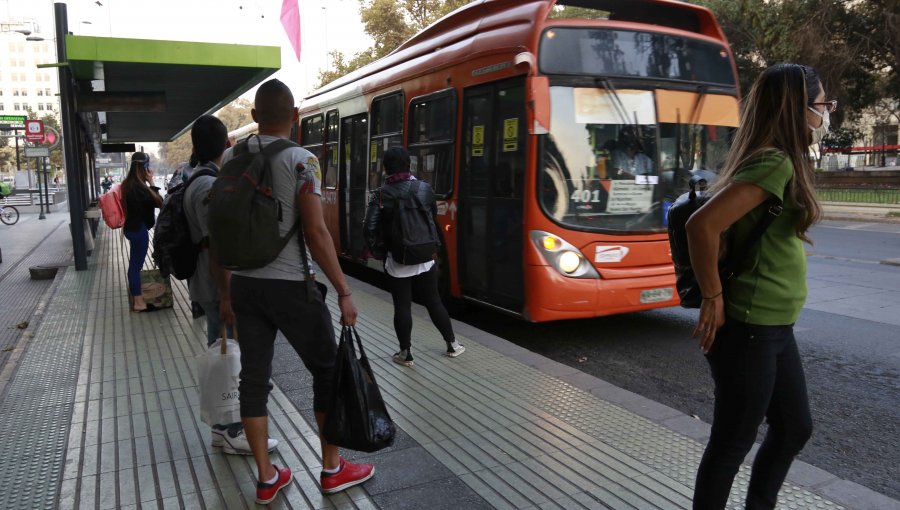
<point>746,324</point>
<point>140,199</point>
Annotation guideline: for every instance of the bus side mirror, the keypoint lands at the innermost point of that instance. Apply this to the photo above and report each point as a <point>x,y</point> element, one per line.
<point>538,105</point>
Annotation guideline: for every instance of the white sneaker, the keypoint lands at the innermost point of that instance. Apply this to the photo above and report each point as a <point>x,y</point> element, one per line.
<point>404,358</point>
<point>237,445</point>
<point>453,352</point>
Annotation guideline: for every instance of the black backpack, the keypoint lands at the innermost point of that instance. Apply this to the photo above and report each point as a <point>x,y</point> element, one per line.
<point>173,250</point>
<point>679,214</point>
<point>244,215</point>
<point>414,237</point>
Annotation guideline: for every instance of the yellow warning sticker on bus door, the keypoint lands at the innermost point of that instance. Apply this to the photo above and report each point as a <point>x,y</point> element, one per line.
<point>478,140</point>
<point>373,154</point>
<point>511,135</point>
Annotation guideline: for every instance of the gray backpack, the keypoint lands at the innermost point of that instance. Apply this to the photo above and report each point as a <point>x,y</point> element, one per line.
<point>244,215</point>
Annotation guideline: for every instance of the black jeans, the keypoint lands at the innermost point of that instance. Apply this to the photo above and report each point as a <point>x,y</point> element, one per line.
<point>425,288</point>
<point>757,372</point>
<point>263,307</point>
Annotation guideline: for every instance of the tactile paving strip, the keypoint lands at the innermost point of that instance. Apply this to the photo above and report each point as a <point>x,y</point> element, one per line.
<point>523,439</point>
<point>35,414</point>
<point>19,294</point>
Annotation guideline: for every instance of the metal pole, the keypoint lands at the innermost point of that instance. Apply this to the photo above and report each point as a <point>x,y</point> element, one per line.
<point>70,139</point>
<point>95,180</point>
<point>92,180</point>
<point>18,165</point>
<point>37,167</point>
<point>46,167</point>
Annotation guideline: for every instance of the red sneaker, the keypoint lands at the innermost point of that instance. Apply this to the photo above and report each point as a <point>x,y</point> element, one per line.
<point>266,492</point>
<point>350,474</point>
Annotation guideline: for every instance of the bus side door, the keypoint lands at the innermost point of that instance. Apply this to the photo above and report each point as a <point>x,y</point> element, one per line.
<point>353,175</point>
<point>491,194</point>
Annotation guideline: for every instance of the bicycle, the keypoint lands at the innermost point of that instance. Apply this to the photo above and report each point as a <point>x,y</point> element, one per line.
<point>9,214</point>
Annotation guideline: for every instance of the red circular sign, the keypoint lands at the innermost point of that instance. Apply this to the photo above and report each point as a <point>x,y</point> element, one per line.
<point>51,137</point>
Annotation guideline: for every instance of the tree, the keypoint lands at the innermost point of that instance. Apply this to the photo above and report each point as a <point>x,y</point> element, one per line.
<point>340,67</point>
<point>390,23</point>
<point>842,138</point>
<point>569,12</point>
<point>7,154</point>
<point>880,22</point>
<point>236,114</point>
<point>828,35</point>
<point>177,151</point>
<point>886,109</point>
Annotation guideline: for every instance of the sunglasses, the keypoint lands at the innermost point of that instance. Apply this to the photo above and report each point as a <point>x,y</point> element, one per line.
<point>830,106</point>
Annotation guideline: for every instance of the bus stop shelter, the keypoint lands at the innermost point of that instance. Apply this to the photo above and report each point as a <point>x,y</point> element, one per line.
<point>114,92</point>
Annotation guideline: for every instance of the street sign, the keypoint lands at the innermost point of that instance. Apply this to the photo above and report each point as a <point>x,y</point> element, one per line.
<point>37,152</point>
<point>12,122</point>
<point>34,130</point>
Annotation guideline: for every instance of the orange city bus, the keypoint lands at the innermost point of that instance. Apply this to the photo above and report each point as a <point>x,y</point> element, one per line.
<point>555,135</point>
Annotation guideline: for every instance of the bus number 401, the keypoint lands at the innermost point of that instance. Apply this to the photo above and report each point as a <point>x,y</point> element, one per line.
<point>585,196</point>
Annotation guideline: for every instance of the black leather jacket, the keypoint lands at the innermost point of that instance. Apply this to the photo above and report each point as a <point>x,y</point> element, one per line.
<point>380,212</point>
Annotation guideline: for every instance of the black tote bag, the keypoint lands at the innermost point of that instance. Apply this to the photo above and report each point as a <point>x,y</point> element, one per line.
<point>357,418</point>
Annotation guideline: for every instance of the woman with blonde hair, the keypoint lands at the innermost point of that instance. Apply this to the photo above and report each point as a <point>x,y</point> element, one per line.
<point>746,322</point>
<point>140,199</point>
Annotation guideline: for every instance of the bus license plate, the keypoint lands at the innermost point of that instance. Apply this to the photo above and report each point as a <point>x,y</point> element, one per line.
<point>656,295</point>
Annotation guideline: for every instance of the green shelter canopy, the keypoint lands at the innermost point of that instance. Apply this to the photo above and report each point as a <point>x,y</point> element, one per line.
<point>152,91</point>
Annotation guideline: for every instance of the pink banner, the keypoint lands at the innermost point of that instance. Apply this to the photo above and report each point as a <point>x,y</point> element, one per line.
<point>290,19</point>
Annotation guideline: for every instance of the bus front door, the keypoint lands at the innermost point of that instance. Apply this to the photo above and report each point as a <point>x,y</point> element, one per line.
<point>353,184</point>
<point>491,195</point>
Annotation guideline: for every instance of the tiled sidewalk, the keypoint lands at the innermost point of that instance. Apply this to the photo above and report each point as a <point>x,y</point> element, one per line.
<point>502,421</point>
<point>522,439</point>
<point>136,440</point>
<point>30,242</point>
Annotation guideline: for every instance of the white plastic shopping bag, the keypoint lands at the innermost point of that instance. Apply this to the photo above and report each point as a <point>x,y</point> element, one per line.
<point>218,373</point>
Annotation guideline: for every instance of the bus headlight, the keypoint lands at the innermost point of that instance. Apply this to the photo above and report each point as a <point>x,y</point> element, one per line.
<point>563,256</point>
<point>569,261</point>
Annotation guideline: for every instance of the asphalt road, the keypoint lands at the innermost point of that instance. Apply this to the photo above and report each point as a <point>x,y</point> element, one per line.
<point>849,337</point>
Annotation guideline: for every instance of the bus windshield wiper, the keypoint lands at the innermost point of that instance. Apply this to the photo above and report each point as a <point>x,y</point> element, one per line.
<point>695,118</point>
<point>692,131</point>
<point>617,103</point>
<point>619,106</point>
<point>698,104</point>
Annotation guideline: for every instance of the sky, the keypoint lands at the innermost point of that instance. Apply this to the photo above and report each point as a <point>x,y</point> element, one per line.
<point>326,25</point>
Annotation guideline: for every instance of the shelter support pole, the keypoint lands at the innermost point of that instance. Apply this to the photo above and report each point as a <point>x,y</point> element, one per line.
<point>71,134</point>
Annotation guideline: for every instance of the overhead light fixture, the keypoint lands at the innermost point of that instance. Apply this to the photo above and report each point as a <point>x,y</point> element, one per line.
<point>24,31</point>
<point>34,37</point>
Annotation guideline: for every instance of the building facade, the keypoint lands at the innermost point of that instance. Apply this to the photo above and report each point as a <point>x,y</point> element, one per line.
<point>22,84</point>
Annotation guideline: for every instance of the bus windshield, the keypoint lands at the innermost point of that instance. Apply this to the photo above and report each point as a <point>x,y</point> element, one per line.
<point>628,53</point>
<point>610,164</point>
